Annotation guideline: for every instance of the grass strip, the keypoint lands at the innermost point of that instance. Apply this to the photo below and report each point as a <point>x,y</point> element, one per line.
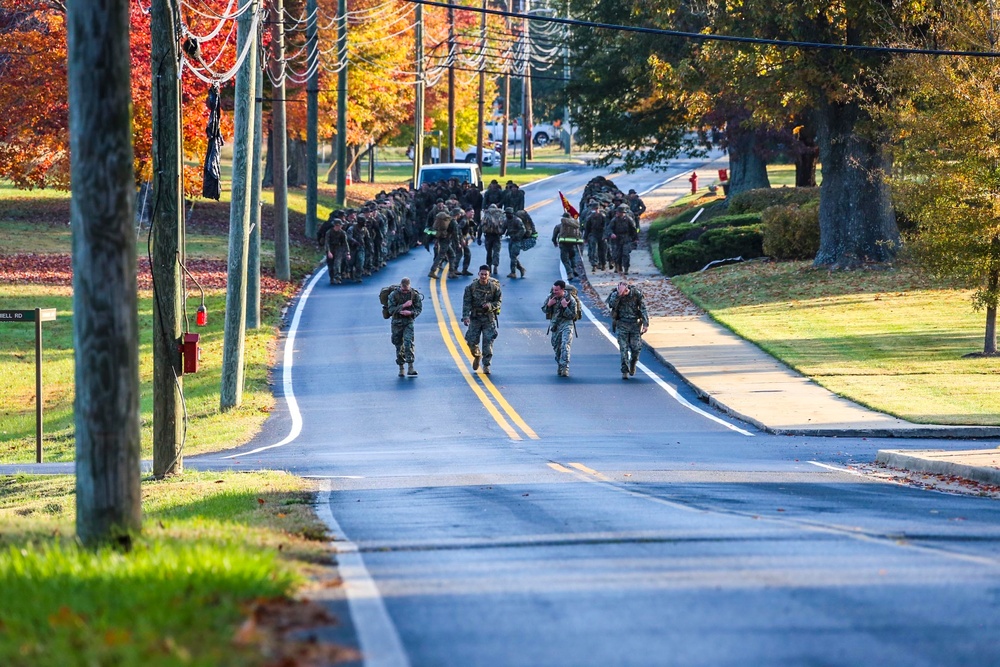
<point>213,546</point>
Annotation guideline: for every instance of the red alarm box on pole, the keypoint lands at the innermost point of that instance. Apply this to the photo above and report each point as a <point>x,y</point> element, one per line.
<point>191,352</point>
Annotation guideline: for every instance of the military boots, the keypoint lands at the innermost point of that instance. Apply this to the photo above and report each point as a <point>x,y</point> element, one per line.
<point>410,370</point>
<point>401,373</point>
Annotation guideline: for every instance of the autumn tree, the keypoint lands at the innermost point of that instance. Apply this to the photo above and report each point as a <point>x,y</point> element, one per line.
<point>947,176</point>
<point>34,136</point>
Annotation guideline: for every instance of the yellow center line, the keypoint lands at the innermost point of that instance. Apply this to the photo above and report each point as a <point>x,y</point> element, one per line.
<point>540,204</point>
<point>590,471</point>
<point>501,401</point>
<point>558,468</point>
<point>483,398</point>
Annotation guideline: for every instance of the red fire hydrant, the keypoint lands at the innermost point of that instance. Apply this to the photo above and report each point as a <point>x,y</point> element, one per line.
<point>694,182</point>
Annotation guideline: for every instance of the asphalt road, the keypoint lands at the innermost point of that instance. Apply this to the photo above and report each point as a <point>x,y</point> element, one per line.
<point>527,519</point>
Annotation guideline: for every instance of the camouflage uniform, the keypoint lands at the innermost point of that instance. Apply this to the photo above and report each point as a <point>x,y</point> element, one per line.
<point>597,245</point>
<point>561,319</point>
<point>515,234</point>
<point>402,325</point>
<point>492,228</point>
<point>628,318</point>
<point>444,244</point>
<point>622,227</point>
<point>480,307</point>
<point>337,253</point>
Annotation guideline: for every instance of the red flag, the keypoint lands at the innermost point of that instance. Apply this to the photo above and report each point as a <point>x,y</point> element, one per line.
<point>572,212</point>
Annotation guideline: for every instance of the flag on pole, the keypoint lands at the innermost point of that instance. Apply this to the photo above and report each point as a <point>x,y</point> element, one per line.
<point>570,211</point>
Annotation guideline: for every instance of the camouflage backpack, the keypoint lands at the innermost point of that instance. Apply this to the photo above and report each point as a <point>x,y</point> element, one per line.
<point>572,292</point>
<point>383,297</point>
<point>493,221</point>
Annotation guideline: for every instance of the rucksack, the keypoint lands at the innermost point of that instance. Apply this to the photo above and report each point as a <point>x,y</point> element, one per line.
<point>529,224</point>
<point>383,297</point>
<point>493,222</point>
<point>569,232</point>
<point>441,223</point>
<point>572,291</point>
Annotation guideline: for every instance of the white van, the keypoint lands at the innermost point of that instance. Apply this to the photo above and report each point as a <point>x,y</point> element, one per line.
<point>462,171</point>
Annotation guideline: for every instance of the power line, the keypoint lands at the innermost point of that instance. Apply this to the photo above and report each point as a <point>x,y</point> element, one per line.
<point>700,37</point>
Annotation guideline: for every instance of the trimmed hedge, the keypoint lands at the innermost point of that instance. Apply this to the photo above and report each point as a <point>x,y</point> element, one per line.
<point>684,231</point>
<point>762,198</point>
<point>684,257</point>
<point>726,242</point>
<point>791,232</point>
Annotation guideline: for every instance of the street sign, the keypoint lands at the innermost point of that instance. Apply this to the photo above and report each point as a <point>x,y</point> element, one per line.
<point>42,315</point>
<point>36,316</point>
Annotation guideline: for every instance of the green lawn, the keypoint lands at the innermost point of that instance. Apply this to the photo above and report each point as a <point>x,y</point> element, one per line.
<point>214,547</point>
<point>894,340</point>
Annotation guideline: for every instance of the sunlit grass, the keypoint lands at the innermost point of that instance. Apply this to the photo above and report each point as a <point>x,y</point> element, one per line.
<point>212,543</point>
<point>894,340</point>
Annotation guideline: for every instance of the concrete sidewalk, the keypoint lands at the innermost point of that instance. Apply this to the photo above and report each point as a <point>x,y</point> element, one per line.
<point>740,379</point>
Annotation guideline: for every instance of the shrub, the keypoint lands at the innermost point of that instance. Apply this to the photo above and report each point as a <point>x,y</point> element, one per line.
<point>725,242</point>
<point>762,198</point>
<point>740,220</point>
<point>684,257</point>
<point>685,231</point>
<point>791,232</point>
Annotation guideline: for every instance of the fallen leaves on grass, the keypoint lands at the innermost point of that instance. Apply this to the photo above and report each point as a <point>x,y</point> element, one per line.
<point>286,632</point>
<point>34,269</point>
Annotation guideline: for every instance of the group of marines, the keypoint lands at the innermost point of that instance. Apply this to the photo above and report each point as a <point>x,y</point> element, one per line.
<point>609,220</point>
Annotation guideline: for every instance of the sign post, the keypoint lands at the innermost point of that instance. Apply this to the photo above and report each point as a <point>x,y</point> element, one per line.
<point>38,315</point>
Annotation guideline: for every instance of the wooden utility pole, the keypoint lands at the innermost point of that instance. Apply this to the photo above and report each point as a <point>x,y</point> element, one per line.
<point>105,301</point>
<point>279,134</point>
<point>234,337</point>
<point>312,120</point>
<point>506,101</point>
<point>525,88</point>
<point>418,104</point>
<point>450,157</point>
<point>168,243</point>
<point>342,102</point>
<point>480,111</point>
<point>253,249</point>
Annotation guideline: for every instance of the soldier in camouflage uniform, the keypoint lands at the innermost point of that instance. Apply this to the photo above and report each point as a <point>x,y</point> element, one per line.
<point>480,307</point>
<point>629,320</point>
<point>560,310</point>
<point>337,252</point>
<point>515,231</point>
<point>405,304</point>
<point>621,234</point>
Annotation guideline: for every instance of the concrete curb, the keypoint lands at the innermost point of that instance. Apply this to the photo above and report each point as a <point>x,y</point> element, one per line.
<point>942,462</point>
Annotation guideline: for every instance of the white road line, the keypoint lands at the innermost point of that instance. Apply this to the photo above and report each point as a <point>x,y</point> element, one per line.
<point>848,471</point>
<point>660,185</point>
<point>286,371</point>
<point>653,376</point>
<point>379,640</point>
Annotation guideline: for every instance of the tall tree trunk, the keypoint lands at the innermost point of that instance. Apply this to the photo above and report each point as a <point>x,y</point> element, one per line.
<point>747,170</point>
<point>268,180</point>
<point>856,219</point>
<point>105,315</point>
<point>990,342</point>
<point>807,158</point>
<point>331,173</point>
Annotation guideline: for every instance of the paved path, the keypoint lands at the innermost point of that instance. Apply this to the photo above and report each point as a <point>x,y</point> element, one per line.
<point>739,378</point>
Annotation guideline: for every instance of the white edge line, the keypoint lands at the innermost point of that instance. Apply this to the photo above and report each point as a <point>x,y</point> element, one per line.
<point>377,636</point>
<point>286,371</point>
<point>542,180</point>
<point>653,376</point>
<point>660,185</point>
<point>847,471</point>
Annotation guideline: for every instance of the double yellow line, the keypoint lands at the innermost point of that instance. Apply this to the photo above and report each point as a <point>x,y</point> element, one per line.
<point>498,402</point>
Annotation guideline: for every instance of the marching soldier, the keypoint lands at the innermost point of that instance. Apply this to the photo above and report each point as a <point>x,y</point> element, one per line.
<point>405,304</point>
<point>629,321</point>
<point>480,307</point>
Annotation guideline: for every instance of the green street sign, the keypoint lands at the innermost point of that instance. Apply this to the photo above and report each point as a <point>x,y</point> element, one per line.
<point>44,315</point>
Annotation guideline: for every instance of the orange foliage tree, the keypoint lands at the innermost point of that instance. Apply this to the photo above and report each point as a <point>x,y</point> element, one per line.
<point>34,128</point>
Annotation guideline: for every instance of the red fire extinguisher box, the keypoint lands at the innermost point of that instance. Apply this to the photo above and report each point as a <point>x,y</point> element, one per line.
<point>191,352</point>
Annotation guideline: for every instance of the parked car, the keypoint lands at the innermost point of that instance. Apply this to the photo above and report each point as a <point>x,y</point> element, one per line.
<point>490,156</point>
